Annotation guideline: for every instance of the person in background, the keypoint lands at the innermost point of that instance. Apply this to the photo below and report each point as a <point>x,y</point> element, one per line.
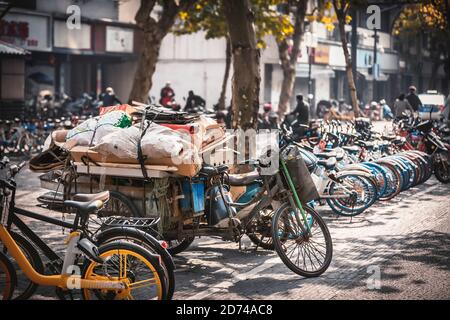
<point>387,112</point>
<point>343,107</point>
<point>109,98</point>
<point>402,107</point>
<point>301,111</point>
<point>323,106</point>
<point>413,99</point>
<point>167,95</point>
<point>263,118</point>
<point>194,102</point>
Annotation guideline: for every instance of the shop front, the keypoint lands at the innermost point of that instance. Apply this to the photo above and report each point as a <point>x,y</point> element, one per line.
<point>31,31</point>
<point>86,56</point>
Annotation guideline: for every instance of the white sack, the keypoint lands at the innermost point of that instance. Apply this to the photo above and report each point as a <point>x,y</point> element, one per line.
<point>122,143</point>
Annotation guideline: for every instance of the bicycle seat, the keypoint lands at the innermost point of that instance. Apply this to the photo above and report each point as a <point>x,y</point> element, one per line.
<point>243,179</point>
<point>84,208</point>
<point>389,138</point>
<point>328,163</point>
<point>326,155</point>
<point>89,197</point>
<point>209,171</point>
<point>351,149</point>
<point>338,151</point>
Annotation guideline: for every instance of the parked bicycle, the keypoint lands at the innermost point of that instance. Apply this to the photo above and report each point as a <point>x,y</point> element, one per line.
<point>103,265</point>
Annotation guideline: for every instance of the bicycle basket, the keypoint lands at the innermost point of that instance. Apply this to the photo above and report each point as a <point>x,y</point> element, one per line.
<point>301,177</point>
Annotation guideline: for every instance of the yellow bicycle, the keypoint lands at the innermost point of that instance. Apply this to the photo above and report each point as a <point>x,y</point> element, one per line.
<point>116,270</point>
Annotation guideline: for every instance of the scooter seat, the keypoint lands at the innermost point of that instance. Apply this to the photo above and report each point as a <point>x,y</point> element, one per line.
<point>326,155</point>
<point>243,179</point>
<point>89,197</point>
<point>210,171</point>
<point>329,163</point>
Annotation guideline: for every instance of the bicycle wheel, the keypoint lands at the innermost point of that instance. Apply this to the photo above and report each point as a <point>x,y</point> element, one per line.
<point>150,243</point>
<point>306,255</point>
<point>178,246</point>
<point>352,195</point>
<point>117,205</point>
<point>129,263</point>
<point>7,278</point>
<point>259,229</point>
<point>395,181</point>
<point>25,288</point>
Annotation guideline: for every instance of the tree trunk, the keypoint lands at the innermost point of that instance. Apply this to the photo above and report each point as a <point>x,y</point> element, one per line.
<point>340,13</point>
<point>287,84</point>
<point>246,56</point>
<point>226,75</point>
<point>154,32</point>
<point>146,67</point>
<point>289,60</point>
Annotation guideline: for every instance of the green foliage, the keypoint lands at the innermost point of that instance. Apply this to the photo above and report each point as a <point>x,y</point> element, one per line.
<point>208,16</point>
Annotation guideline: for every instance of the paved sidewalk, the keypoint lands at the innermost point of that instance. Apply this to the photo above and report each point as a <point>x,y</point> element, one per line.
<point>407,239</point>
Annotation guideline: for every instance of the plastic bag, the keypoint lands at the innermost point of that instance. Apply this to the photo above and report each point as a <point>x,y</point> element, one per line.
<point>92,130</point>
<point>122,143</point>
<point>82,134</point>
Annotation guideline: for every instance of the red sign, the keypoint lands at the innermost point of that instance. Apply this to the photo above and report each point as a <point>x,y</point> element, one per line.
<point>14,29</point>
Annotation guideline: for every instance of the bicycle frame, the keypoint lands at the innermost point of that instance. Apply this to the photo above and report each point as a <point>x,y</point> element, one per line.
<point>64,280</point>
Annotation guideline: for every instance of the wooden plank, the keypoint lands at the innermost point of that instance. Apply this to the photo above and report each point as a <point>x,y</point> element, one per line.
<point>120,171</point>
<point>136,166</point>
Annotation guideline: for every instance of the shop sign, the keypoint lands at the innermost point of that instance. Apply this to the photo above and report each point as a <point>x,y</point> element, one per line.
<point>25,31</point>
<point>322,54</point>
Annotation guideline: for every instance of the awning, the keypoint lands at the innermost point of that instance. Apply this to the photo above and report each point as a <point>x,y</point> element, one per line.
<point>7,48</point>
<point>369,77</point>
<point>302,71</point>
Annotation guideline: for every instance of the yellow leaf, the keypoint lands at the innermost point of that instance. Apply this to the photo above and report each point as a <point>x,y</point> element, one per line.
<point>348,19</point>
<point>183,15</point>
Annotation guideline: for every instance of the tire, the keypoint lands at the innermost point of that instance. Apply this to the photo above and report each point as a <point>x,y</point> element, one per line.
<point>262,230</point>
<point>8,278</point>
<point>442,171</point>
<point>115,198</point>
<point>343,207</point>
<point>117,205</point>
<point>150,243</point>
<point>107,251</point>
<point>25,288</point>
<point>395,182</point>
<point>176,247</point>
<point>281,245</point>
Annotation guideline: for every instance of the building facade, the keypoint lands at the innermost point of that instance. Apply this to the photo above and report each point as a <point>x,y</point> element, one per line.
<point>67,58</point>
